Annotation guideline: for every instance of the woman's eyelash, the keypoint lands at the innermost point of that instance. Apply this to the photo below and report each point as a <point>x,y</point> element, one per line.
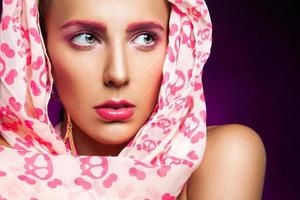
<point>152,34</point>
<point>145,35</point>
<point>144,40</point>
<point>84,39</point>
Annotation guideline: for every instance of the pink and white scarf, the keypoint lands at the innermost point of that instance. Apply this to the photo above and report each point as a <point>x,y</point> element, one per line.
<point>154,165</point>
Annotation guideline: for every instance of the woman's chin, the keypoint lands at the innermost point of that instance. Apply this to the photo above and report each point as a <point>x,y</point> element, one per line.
<point>114,134</point>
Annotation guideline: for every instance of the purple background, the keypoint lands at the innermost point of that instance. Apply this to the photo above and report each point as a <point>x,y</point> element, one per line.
<point>251,78</point>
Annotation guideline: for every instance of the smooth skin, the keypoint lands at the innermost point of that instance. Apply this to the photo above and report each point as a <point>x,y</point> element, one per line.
<point>233,166</point>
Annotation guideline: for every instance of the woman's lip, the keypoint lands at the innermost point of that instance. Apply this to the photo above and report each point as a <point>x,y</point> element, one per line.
<point>115,110</point>
<point>115,104</point>
<point>120,114</point>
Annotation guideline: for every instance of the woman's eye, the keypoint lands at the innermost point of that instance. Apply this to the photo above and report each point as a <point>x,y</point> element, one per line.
<point>144,40</point>
<point>84,39</point>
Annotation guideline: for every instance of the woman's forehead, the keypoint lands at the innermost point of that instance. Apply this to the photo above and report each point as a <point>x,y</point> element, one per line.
<point>110,12</point>
<point>109,6</point>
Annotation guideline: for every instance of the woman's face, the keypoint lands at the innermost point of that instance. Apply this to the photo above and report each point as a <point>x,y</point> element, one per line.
<point>107,58</point>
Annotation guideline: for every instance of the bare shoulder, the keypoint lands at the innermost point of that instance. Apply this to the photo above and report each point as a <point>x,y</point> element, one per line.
<point>233,166</point>
<point>235,139</point>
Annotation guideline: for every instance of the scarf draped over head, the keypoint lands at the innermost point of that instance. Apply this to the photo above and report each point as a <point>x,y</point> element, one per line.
<point>155,164</point>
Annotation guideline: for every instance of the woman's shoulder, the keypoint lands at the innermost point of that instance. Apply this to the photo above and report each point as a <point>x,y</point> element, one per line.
<point>236,136</point>
<point>233,165</point>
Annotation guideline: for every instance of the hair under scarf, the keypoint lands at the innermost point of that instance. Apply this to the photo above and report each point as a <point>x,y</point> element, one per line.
<point>155,164</point>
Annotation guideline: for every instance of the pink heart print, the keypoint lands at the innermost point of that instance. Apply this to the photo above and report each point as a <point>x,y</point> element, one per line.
<point>26,179</point>
<point>14,103</point>
<point>84,184</point>
<point>39,112</point>
<point>34,32</point>
<point>197,137</point>
<point>38,63</point>
<point>21,150</point>
<point>54,183</point>
<point>171,55</point>
<point>163,171</point>
<point>192,155</point>
<point>10,78</point>
<point>173,29</point>
<point>10,53</point>
<point>140,175</point>
<point>108,182</point>
<point>167,196</point>
<point>27,141</point>
<point>33,11</point>
<point>5,22</point>
<point>36,91</point>
<point>2,173</point>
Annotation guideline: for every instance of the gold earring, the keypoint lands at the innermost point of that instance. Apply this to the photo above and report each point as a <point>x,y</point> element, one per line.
<point>69,135</point>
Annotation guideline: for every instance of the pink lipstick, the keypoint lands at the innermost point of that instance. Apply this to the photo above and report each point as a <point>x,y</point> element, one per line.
<point>115,110</point>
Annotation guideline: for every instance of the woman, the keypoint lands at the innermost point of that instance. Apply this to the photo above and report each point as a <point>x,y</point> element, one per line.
<point>128,74</point>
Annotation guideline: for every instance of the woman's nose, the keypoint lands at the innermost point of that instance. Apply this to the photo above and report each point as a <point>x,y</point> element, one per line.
<point>116,72</point>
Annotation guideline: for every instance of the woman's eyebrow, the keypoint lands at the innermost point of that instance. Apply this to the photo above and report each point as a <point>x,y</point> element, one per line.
<point>143,25</point>
<point>85,24</point>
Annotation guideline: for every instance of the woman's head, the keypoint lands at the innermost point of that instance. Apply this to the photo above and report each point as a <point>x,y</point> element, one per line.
<point>103,50</point>
<point>111,57</point>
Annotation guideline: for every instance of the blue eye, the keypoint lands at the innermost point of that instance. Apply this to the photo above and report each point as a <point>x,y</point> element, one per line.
<point>144,40</point>
<point>84,39</point>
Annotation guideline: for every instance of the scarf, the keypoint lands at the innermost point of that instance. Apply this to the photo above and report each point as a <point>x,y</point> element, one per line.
<point>155,164</point>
